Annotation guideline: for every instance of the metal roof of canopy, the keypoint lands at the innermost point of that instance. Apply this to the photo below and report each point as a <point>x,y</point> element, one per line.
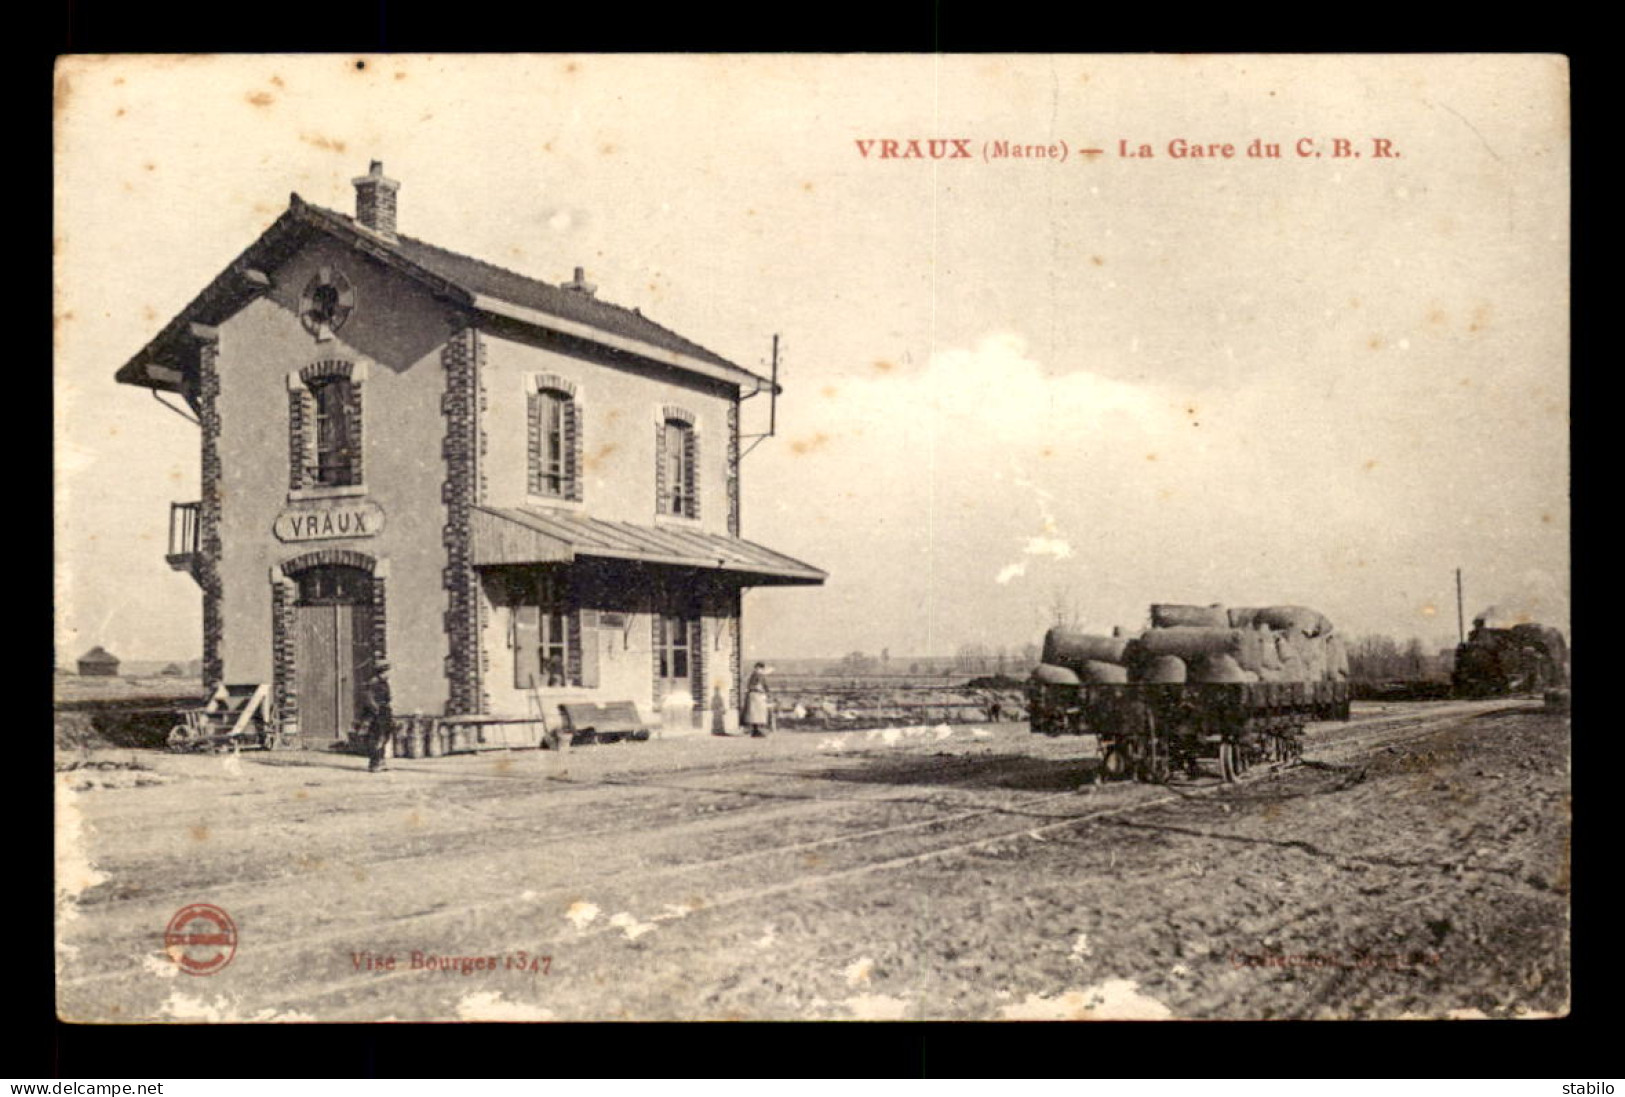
<point>525,535</point>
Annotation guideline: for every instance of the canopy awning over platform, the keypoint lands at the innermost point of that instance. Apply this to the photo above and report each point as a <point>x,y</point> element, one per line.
<point>522,535</point>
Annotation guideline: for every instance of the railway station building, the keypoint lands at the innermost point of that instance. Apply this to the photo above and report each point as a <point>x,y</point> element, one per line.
<point>503,489</point>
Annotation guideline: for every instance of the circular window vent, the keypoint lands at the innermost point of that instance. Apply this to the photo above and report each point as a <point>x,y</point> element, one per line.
<point>326,304</point>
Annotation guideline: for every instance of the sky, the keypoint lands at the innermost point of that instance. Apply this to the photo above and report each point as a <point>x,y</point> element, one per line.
<point>1010,384</point>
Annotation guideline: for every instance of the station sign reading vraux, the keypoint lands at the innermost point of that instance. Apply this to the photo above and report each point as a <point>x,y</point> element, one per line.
<point>322,523</point>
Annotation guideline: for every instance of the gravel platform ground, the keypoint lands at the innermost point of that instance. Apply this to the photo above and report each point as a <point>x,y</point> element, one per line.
<point>1415,866</point>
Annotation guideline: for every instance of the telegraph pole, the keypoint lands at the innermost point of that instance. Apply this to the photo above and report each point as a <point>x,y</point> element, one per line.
<point>1461,621</point>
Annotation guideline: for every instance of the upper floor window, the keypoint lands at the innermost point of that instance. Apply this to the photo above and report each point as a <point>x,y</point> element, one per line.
<point>324,426</point>
<point>677,477</point>
<point>555,439</point>
<point>337,431</point>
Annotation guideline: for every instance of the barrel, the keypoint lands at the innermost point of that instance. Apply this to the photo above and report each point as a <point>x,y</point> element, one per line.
<point>409,739</point>
<point>1190,642</point>
<point>1298,619</point>
<point>1216,669</point>
<point>1051,675</point>
<point>1162,669</point>
<point>1065,648</point>
<point>1173,616</point>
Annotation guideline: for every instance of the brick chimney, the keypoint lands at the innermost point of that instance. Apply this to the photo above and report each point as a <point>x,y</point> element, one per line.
<point>375,200</point>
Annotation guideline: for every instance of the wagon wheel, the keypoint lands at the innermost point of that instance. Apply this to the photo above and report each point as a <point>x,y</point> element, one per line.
<point>178,737</point>
<point>1228,768</point>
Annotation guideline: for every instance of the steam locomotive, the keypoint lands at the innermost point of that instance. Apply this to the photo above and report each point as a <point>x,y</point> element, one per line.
<point>1496,662</point>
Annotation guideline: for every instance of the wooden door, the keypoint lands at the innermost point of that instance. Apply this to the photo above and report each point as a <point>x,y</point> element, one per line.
<point>334,655</point>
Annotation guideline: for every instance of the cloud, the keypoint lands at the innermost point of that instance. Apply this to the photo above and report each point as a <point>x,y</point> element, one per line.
<point>958,496</point>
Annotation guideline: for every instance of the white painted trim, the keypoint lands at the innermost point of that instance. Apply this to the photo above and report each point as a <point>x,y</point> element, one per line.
<point>358,368</point>
<point>694,422</point>
<point>733,374</point>
<point>533,384</point>
<point>545,502</point>
<point>348,491</point>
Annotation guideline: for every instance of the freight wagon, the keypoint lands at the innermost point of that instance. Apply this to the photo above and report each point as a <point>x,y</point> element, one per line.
<point>1193,688</point>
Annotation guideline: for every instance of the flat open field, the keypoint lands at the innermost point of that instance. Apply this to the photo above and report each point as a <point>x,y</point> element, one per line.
<point>1416,866</point>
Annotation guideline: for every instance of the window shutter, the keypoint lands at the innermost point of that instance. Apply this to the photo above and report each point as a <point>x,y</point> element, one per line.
<point>353,430</point>
<point>691,472</point>
<point>527,661</point>
<point>299,426</point>
<point>696,660</point>
<point>587,631</point>
<point>572,450</point>
<point>533,407</point>
<point>660,468</point>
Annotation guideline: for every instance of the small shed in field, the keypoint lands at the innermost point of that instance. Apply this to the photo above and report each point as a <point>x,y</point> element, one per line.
<point>98,662</point>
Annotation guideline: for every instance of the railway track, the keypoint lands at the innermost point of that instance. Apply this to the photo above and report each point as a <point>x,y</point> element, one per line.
<point>964,826</point>
<point>1363,733</point>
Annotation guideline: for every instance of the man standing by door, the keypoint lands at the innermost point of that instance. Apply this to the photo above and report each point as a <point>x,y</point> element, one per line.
<point>378,716</point>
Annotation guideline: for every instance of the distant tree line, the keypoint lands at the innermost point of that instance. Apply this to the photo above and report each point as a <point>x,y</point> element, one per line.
<point>970,659</point>
<point>1384,659</point>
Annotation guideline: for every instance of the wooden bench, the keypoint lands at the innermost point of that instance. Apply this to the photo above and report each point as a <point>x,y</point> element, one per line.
<point>464,734</point>
<point>607,723</point>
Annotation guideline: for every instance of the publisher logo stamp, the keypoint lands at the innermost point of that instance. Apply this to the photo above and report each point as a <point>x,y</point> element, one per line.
<point>201,938</point>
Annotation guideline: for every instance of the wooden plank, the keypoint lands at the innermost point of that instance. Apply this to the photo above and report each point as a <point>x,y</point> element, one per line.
<point>315,674</point>
<point>344,677</point>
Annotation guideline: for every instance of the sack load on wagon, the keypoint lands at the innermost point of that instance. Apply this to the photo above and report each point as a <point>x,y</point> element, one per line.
<point>1204,682</point>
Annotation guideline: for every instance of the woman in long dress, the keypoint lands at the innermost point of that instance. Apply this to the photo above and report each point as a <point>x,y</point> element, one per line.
<point>756,702</point>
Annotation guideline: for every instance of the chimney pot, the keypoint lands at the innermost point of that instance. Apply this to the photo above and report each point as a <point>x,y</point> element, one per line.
<point>579,283</point>
<point>375,200</point>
